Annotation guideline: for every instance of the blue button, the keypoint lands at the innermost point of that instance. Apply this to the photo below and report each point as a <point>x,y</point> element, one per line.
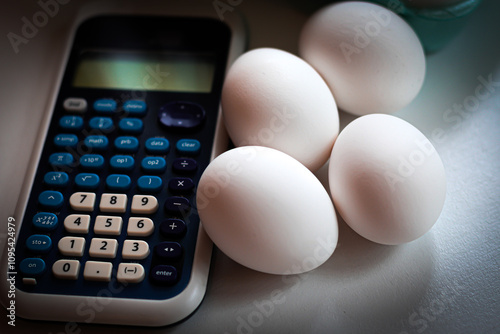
<point>135,107</point>
<point>71,122</point>
<point>45,221</point>
<point>153,164</point>
<point>65,140</point>
<point>61,159</point>
<point>56,179</point>
<point>32,266</point>
<point>94,161</point>
<point>131,125</point>
<point>101,123</point>
<point>157,145</point>
<point>105,105</point>
<point>39,243</point>
<point>122,162</point>
<point>127,144</point>
<point>118,182</point>
<point>149,183</point>
<point>188,146</point>
<point>96,142</point>
<point>51,199</point>
<point>164,274</point>
<point>87,180</point>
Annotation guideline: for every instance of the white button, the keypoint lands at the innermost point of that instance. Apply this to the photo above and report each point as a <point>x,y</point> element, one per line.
<point>144,204</point>
<point>140,227</point>
<point>113,203</point>
<point>135,250</point>
<point>130,273</point>
<point>71,246</point>
<point>110,225</point>
<point>77,223</point>
<point>105,248</point>
<point>82,201</point>
<point>97,271</point>
<point>75,104</point>
<point>66,269</point>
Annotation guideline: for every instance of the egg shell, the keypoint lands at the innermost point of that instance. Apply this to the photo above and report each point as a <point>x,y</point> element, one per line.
<point>371,58</point>
<point>386,179</point>
<point>275,99</point>
<point>266,211</point>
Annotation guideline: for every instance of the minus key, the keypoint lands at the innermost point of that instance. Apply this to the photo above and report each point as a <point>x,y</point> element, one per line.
<point>177,205</point>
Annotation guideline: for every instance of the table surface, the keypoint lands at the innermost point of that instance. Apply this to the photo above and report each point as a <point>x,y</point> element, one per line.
<point>445,282</point>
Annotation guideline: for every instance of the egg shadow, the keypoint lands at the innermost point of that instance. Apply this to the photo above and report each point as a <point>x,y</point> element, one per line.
<point>378,284</point>
<point>362,280</point>
<point>345,118</point>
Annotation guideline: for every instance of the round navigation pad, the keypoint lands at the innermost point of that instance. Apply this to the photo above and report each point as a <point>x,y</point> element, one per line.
<point>180,114</point>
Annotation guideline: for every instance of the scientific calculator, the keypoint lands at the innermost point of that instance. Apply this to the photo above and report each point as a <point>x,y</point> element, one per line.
<point>109,231</point>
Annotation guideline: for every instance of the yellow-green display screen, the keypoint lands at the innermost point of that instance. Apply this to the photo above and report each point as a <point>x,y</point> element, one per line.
<point>175,72</point>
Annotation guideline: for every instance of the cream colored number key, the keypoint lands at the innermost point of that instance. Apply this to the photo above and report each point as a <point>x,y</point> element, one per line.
<point>105,248</point>
<point>144,204</point>
<point>77,224</point>
<point>71,246</point>
<point>66,269</point>
<point>140,227</point>
<point>82,201</point>
<point>135,250</point>
<point>110,225</point>
<point>113,203</point>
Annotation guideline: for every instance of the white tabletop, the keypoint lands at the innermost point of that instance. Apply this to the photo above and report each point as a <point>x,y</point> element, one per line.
<point>445,282</point>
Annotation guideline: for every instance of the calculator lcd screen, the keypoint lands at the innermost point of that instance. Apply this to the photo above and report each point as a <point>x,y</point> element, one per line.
<point>175,72</point>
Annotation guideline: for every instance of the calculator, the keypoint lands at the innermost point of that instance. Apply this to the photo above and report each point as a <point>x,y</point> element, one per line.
<point>108,230</point>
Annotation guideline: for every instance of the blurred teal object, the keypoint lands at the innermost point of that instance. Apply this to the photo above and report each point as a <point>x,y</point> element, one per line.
<point>434,26</point>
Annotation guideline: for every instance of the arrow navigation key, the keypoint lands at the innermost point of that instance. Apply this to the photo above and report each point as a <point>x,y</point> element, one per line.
<point>169,250</point>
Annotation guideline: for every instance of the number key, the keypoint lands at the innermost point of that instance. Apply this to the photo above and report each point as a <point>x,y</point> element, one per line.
<point>82,201</point>
<point>110,225</point>
<point>77,224</point>
<point>140,227</point>
<point>135,249</point>
<point>105,248</point>
<point>113,203</point>
<point>144,204</point>
<point>71,246</point>
<point>66,269</point>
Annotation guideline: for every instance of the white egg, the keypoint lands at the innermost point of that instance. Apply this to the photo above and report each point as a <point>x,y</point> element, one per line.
<point>371,58</point>
<point>272,98</point>
<point>267,211</point>
<point>386,179</point>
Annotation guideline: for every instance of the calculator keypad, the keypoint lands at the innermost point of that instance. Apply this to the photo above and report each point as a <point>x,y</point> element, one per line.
<point>116,200</point>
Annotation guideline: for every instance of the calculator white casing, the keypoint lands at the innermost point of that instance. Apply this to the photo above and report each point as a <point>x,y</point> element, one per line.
<point>121,311</point>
